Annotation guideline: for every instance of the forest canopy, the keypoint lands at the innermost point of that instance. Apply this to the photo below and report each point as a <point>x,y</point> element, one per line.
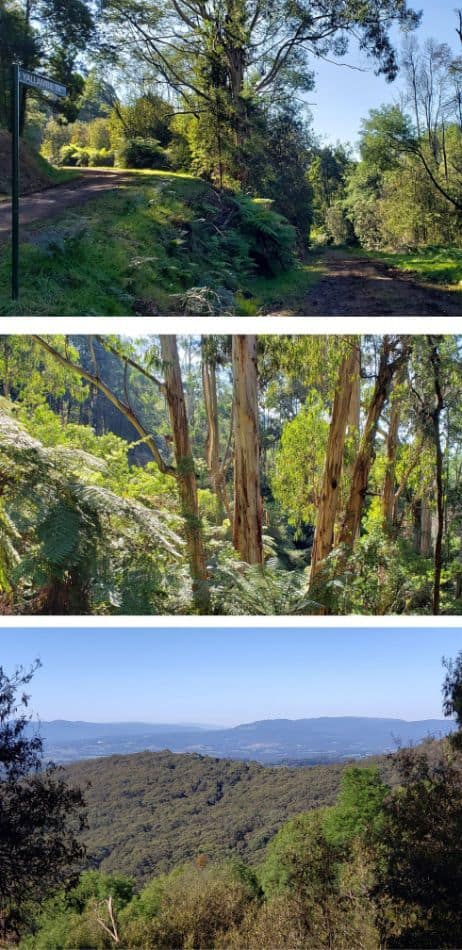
<point>230,475</point>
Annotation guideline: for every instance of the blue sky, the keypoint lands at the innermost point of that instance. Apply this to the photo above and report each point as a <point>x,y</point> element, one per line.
<point>227,676</point>
<point>343,97</point>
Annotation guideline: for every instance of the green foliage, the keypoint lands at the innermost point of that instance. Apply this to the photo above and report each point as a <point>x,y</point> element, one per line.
<point>41,814</point>
<point>68,532</point>
<point>82,156</point>
<point>418,866</point>
<point>405,192</point>
<point>380,867</point>
<point>85,554</point>
<point>338,226</point>
<point>300,858</point>
<point>358,812</point>
<point>271,240</point>
<point>296,480</point>
<point>182,806</point>
<point>452,695</point>
<point>327,175</point>
<point>148,250</point>
<point>142,153</point>
<point>380,577</point>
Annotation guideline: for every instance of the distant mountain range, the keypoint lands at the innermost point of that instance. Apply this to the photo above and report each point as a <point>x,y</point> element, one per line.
<point>270,741</point>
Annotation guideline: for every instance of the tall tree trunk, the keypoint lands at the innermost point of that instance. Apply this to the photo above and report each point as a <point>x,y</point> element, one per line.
<point>360,478</point>
<point>325,522</point>
<point>425,545</point>
<point>436,422</point>
<point>186,476</point>
<point>354,413</point>
<point>6,367</point>
<point>247,524</point>
<point>388,500</point>
<point>212,443</point>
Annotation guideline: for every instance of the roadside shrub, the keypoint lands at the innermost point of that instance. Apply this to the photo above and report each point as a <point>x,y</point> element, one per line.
<point>272,240</point>
<point>78,156</point>
<point>142,153</point>
<point>179,153</point>
<point>339,228</point>
<point>55,137</point>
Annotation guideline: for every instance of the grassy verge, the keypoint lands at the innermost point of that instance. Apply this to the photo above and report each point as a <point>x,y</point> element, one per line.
<point>56,176</point>
<point>285,293</point>
<point>141,250</point>
<point>436,264</point>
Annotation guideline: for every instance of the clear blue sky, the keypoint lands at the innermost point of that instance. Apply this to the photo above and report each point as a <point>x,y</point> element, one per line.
<point>227,676</point>
<point>343,97</point>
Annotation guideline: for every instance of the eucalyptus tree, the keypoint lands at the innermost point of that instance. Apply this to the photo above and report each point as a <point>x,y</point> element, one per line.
<point>212,354</point>
<point>394,353</point>
<point>342,416</point>
<point>247,524</point>
<point>224,60</point>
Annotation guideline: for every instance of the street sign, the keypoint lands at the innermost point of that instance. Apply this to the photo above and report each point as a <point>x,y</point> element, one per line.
<point>27,78</point>
<point>41,82</point>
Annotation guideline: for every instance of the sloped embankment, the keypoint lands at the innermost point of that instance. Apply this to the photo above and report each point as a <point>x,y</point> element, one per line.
<point>33,170</point>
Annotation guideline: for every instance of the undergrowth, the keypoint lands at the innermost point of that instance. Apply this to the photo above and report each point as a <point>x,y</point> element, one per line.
<point>150,246</point>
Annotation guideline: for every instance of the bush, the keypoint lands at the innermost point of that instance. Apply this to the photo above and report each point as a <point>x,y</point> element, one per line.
<point>78,156</point>
<point>142,153</point>
<point>179,153</point>
<point>193,907</point>
<point>271,238</point>
<point>338,226</point>
<point>55,138</point>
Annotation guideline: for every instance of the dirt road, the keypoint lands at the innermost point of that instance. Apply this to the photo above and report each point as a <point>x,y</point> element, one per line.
<point>355,286</point>
<point>33,209</point>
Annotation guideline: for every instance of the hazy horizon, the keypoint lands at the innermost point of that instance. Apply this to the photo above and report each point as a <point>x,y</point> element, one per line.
<point>222,677</point>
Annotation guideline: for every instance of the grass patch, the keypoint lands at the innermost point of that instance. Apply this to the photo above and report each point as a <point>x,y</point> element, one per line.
<point>141,249</point>
<point>436,264</point>
<point>56,176</point>
<point>286,291</point>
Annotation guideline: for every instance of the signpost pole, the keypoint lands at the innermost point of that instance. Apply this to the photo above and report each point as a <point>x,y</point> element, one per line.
<point>15,182</point>
<point>19,75</point>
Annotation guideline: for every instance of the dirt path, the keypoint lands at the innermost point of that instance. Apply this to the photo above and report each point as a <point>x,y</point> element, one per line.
<point>355,286</point>
<point>33,209</point>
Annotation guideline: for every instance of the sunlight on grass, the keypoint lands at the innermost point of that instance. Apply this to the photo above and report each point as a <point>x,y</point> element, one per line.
<point>436,264</point>
<point>286,291</point>
<point>138,249</point>
<point>56,176</point>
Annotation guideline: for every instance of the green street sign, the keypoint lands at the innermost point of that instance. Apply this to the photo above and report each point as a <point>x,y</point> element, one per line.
<point>19,75</point>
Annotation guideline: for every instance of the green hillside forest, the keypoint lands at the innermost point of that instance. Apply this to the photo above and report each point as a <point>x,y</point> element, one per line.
<point>182,851</point>
<point>219,475</point>
<point>227,182</point>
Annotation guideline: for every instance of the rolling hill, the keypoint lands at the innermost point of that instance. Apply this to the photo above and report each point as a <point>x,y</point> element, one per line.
<point>153,810</point>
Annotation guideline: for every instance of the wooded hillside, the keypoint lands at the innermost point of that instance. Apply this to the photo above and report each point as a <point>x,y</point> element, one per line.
<point>150,811</point>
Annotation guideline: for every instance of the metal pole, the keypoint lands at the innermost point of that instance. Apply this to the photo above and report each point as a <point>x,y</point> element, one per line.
<point>15,182</point>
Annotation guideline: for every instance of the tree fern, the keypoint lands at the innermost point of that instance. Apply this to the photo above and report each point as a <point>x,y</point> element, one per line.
<point>67,541</point>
